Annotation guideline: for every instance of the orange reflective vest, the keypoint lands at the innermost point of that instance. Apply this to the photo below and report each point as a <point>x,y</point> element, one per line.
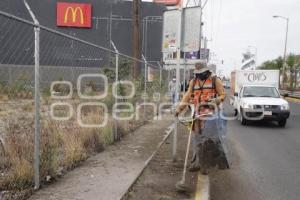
<point>202,93</point>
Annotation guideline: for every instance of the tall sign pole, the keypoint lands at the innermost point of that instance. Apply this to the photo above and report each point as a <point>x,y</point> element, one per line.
<point>136,37</point>
<point>181,31</point>
<point>178,52</point>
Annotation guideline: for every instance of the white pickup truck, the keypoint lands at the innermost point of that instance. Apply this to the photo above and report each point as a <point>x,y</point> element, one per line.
<point>255,96</point>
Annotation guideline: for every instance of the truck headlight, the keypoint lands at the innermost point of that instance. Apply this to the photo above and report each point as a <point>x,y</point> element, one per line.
<point>247,106</point>
<point>285,107</point>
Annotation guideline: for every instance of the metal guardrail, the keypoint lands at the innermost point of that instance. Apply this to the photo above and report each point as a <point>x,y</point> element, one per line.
<point>290,93</point>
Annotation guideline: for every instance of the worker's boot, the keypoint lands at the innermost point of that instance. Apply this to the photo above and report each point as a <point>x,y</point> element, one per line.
<point>212,152</point>
<point>194,167</point>
<point>222,161</point>
<point>195,163</point>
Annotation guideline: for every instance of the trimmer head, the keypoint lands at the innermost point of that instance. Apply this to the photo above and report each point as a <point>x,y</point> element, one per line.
<point>181,187</point>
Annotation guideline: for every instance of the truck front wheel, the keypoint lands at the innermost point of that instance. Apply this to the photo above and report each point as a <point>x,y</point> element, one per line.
<point>236,112</point>
<point>243,120</point>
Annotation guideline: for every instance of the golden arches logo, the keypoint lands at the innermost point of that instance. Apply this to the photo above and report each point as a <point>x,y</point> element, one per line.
<point>74,14</point>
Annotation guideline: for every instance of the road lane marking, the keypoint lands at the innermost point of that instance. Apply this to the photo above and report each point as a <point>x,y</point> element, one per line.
<point>202,189</point>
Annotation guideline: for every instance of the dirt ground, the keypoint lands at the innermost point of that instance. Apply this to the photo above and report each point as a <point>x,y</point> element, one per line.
<point>159,179</point>
<point>108,175</point>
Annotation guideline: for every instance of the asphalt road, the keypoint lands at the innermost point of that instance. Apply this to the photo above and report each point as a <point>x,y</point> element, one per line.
<point>265,162</point>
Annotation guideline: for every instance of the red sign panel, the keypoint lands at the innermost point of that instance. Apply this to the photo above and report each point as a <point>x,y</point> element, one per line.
<point>74,15</point>
<point>168,2</point>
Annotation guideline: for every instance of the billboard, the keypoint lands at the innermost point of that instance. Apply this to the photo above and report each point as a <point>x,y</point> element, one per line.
<point>191,29</point>
<point>74,15</point>
<point>190,37</point>
<point>170,31</point>
<point>204,54</point>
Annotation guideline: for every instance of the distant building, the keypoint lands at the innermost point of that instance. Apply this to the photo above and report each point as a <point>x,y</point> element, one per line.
<point>249,61</point>
<point>103,28</point>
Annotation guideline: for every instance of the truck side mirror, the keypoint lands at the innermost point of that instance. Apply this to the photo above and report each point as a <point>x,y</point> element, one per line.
<point>285,95</point>
<point>236,94</point>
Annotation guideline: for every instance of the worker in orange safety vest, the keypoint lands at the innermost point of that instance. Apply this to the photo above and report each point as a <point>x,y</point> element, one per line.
<point>206,93</point>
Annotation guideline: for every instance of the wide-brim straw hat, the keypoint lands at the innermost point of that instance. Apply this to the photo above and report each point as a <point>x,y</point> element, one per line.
<point>201,67</point>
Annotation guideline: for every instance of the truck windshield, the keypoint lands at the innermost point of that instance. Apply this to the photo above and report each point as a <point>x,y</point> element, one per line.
<point>260,92</point>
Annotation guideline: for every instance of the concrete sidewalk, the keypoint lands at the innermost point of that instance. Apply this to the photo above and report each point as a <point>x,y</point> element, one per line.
<point>108,175</point>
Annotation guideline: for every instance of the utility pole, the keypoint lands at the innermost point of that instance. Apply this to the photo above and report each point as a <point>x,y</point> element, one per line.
<point>285,48</point>
<point>136,37</point>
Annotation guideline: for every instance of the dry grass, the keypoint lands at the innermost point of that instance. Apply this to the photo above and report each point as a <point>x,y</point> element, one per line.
<point>19,159</point>
<point>61,148</point>
<point>74,150</point>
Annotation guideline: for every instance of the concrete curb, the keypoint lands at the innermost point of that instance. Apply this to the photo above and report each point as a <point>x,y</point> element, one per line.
<point>203,188</point>
<point>168,133</point>
<point>292,99</point>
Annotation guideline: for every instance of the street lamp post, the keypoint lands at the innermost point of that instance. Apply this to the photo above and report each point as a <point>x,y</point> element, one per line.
<point>285,46</point>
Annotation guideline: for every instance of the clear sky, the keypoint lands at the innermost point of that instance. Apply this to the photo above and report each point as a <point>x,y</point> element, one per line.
<point>234,25</point>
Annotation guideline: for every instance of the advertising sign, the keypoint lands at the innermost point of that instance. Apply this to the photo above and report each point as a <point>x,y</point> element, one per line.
<point>191,29</point>
<point>192,55</point>
<point>170,30</point>
<point>204,54</point>
<point>74,15</point>
<point>190,39</point>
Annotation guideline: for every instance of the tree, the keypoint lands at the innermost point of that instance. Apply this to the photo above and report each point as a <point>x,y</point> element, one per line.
<point>292,68</point>
<point>293,63</point>
<point>275,64</point>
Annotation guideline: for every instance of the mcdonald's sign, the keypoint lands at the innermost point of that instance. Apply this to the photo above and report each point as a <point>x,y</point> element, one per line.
<point>74,14</point>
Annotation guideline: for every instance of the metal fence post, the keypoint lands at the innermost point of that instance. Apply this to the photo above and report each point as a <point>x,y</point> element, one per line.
<point>160,75</point>
<point>36,98</point>
<point>116,135</point>
<point>145,74</point>
<point>73,80</point>
<point>37,108</point>
<point>10,81</point>
<point>184,72</point>
<point>145,82</point>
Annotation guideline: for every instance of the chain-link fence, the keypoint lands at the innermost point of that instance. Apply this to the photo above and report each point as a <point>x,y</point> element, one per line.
<point>61,101</point>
